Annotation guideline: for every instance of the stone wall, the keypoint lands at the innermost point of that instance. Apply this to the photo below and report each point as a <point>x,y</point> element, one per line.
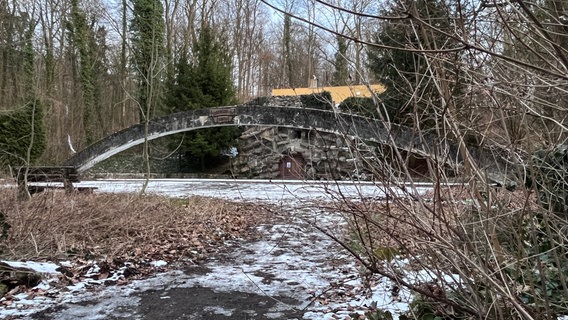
<point>327,156</point>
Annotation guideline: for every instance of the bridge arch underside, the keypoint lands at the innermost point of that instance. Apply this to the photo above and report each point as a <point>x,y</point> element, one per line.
<point>345,125</point>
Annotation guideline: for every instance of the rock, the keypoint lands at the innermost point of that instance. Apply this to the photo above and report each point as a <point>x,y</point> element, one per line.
<point>12,277</point>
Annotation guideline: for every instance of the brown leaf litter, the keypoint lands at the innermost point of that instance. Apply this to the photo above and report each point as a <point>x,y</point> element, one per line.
<point>123,233</point>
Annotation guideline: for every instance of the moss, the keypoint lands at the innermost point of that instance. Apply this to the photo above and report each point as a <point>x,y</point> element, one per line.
<point>386,253</point>
<point>3,289</point>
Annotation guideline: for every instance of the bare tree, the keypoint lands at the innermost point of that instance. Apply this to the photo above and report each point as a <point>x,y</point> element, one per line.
<point>245,18</point>
<point>485,89</point>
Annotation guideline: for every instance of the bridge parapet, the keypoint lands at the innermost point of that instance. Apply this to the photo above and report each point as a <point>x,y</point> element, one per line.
<point>223,115</point>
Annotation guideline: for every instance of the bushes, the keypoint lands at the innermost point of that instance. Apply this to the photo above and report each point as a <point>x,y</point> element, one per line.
<point>359,105</point>
<point>466,254</point>
<point>21,132</point>
<point>58,225</point>
<point>320,101</point>
<point>543,274</point>
<point>547,174</point>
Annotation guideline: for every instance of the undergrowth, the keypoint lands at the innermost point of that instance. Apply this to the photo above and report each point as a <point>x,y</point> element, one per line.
<point>56,225</point>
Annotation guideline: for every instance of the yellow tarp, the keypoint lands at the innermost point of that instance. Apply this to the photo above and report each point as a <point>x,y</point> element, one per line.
<point>338,94</point>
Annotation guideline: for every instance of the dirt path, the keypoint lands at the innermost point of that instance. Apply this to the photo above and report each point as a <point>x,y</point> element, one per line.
<point>292,272</point>
<point>187,303</point>
<point>205,303</point>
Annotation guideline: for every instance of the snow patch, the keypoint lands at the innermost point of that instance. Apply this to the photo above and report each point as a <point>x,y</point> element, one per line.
<point>39,267</point>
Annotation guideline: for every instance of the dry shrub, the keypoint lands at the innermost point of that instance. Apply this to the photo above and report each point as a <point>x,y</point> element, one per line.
<point>401,223</point>
<point>489,253</point>
<point>55,224</point>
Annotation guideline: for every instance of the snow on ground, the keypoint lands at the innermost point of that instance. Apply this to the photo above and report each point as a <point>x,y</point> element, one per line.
<point>251,190</point>
<point>294,262</point>
<point>23,302</point>
<point>303,264</point>
<point>294,259</point>
<point>39,267</point>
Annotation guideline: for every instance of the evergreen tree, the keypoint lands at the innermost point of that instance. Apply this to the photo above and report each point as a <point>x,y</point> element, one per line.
<point>359,105</point>
<point>212,69</point>
<point>22,135</point>
<point>148,32</point>
<point>405,74</point>
<point>341,73</point>
<point>204,80</point>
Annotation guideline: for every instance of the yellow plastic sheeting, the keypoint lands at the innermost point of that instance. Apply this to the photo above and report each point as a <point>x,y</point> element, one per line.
<point>338,94</point>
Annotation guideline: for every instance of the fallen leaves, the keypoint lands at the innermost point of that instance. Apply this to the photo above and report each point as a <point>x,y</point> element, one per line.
<point>110,239</point>
<point>55,225</point>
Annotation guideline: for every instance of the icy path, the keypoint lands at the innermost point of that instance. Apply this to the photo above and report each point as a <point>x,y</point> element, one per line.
<point>303,272</point>
<point>292,272</point>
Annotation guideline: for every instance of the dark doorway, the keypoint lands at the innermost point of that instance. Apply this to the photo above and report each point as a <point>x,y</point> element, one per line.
<point>292,166</point>
<point>417,165</point>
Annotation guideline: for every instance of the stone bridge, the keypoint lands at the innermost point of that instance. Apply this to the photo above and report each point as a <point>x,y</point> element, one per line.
<point>291,115</point>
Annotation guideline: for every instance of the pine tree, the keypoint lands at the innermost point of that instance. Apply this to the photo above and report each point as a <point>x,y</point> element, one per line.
<point>213,70</point>
<point>341,73</point>
<point>405,74</point>
<point>148,31</point>
<point>204,80</point>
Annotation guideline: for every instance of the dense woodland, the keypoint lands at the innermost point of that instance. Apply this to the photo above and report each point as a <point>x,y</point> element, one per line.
<point>91,68</point>
<point>96,67</point>
<point>465,76</point>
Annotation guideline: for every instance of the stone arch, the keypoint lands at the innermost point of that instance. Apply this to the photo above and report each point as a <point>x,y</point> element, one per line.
<point>280,114</point>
